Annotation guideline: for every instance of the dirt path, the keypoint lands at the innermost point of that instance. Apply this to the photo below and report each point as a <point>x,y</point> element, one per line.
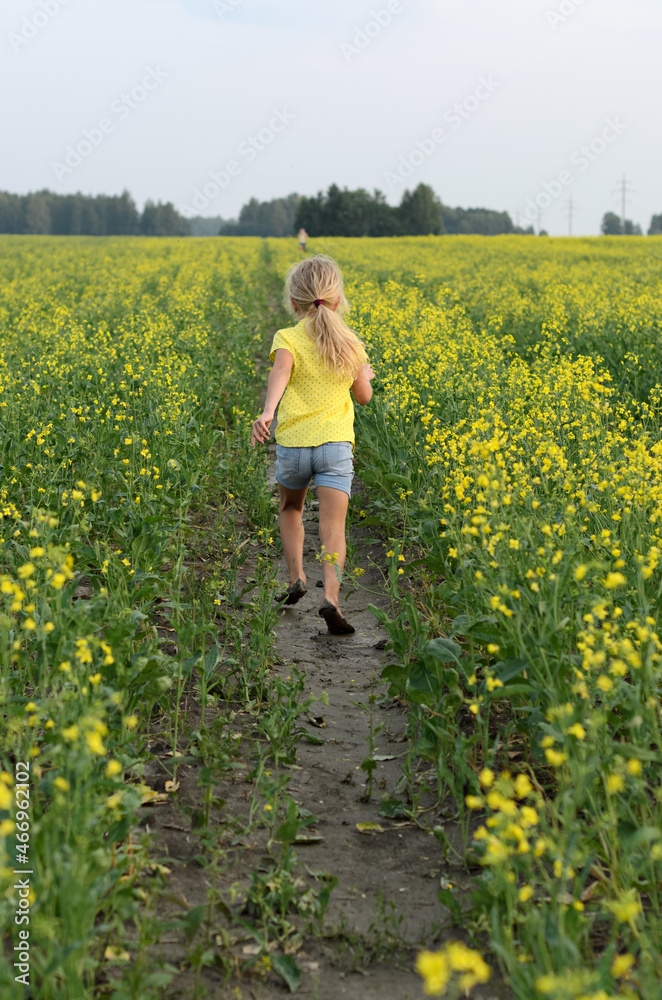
<point>385,903</point>
<point>384,907</point>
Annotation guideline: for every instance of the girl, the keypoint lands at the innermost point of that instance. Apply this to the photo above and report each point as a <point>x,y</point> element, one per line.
<point>316,363</point>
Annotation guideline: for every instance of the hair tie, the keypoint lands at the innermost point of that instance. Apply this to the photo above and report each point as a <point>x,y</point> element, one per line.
<point>318,302</point>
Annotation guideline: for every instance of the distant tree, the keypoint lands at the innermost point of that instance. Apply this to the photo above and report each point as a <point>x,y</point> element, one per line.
<point>163,220</point>
<point>612,225</point>
<point>655,228</point>
<point>421,212</point>
<point>479,221</point>
<point>264,218</point>
<point>37,213</point>
<point>68,214</point>
<point>341,212</point>
<point>11,213</point>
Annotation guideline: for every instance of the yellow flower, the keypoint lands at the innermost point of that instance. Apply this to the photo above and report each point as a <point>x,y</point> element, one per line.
<point>5,798</point>
<point>469,962</point>
<point>577,730</point>
<point>434,967</point>
<point>29,624</point>
<point>37,552</point>
<point>113,768</point>
<point>580,572</point>
<point>58,580</point>
<point>615,783</point>
<point>71,733</point>
<point>621,965</point>
<point>634,766</point>
<point>529,816</point>
<point>604,683</point>
<point>486,777</point>
<point>626,908</point>
<point>613,580</point>
<point>554,757</point>
<point>25,571</point>
<point>525,893</point>
<point>523,786</point>
<point>95,743</point>
<point>474,802</point>
<point>62,784</point>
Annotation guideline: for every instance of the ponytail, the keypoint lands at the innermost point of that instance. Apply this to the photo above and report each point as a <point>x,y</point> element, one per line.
<point>315,286</point>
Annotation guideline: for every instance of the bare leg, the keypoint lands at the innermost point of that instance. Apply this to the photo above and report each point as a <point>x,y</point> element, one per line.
<point>292,530</point>
<point>333,514</point>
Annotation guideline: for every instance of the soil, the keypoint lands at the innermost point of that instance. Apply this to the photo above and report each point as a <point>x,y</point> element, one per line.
<point>384,907</point>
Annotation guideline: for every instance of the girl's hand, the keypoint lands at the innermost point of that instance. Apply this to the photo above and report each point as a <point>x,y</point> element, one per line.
<point>368,373</point>
<point>260,431</point>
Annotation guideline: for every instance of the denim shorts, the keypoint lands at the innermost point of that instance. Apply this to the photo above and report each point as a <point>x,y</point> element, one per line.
<point>329,464</point>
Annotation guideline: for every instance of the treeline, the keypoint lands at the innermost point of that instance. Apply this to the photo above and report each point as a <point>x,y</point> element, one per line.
<point>614,225</point>
<point>265,218</point>
<point>48,213</point>
<point>420,213</point>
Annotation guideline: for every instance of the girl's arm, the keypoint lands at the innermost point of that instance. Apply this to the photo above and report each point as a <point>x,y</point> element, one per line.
<point>361,388</point>
<point>279,376</point>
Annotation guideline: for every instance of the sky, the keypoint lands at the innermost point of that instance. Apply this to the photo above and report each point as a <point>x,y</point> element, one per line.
<point>535,107</point>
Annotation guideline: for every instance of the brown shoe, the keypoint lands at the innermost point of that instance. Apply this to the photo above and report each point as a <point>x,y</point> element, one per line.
<point>336,622</point>
<point>293,593</point>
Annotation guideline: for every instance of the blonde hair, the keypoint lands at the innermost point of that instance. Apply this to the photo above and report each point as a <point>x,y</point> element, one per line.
<point>319,279</point>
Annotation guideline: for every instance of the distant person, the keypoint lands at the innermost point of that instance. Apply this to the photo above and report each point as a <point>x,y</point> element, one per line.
<point>303,239</point>
<point>316,364</point>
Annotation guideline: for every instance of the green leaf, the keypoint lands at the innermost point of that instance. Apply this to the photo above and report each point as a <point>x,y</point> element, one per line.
<point>444,650</point>
<point>396,677</point>
<point>191,922</point>
<point>380,615</point>
<point>397,480</point>
<point>393,809</point>
<point>288,969</point>
<point>508,669</point>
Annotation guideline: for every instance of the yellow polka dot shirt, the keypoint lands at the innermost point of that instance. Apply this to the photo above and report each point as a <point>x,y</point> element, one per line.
<point>316,406</point>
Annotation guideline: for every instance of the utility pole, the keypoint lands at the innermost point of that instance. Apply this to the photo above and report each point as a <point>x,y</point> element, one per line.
<point>625,191</point>
<point>571,209</point>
